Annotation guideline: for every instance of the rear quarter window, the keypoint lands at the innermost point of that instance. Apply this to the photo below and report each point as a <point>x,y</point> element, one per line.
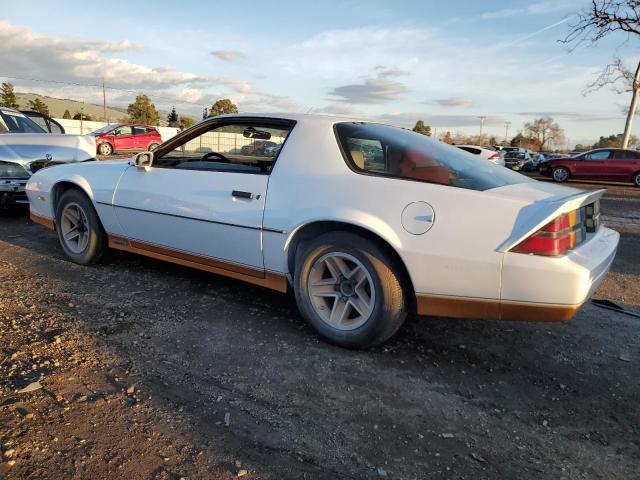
<point>382,150</point>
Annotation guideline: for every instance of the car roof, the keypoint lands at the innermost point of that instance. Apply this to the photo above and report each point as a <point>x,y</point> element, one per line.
<point>297,117</point>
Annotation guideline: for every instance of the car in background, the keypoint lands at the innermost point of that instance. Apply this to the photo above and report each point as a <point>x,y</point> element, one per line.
<point>47,123</point>
<point>601,164</point>
<point>362,237</point>
<point>258,148</point>
<point>25,148</point>
<point>484,153</point>
<point>125,138</point>
<point>519,159</point>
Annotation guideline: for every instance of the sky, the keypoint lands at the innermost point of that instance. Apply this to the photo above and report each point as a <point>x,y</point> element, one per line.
<point>446,63</point>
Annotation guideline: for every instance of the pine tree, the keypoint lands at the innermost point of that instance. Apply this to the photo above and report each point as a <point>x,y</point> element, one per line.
<point>66,115</point>
<point>39,106</point>
<point>8,96</point>
<point>172,118</point>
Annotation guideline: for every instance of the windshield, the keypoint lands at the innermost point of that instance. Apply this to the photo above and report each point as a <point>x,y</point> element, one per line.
<point>105,129</point>
<point>16,122</point>
<point>400,153</point>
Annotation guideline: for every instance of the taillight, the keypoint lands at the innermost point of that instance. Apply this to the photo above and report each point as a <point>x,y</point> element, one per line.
<point>557,237</point>
<point>494,156</point>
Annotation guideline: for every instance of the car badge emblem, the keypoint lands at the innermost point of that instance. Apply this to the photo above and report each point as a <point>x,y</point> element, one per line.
<point>49,157</point>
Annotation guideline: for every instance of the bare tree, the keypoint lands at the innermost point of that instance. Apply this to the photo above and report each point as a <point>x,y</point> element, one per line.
<point>544,131</point>
<point>598,21</point>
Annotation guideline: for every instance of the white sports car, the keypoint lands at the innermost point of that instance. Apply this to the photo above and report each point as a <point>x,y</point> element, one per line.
<point>366,222</point>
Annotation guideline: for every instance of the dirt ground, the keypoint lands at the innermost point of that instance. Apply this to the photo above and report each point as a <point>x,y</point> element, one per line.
<point>153,371</point>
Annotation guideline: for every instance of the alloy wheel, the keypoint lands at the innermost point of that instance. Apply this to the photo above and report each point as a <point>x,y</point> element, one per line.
<point>341,291</point>
<point>74,227</point>
<point>560,175</point>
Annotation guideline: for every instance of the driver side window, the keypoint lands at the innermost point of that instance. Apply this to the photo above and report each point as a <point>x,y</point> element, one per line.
<point>122,131</point>
<point>599,155</point>
<point>242,148</point>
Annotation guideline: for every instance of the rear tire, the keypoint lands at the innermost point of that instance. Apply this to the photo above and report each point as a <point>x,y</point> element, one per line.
<point>560,174</point>
<point>636,179</point>
<point>105,149</point>
<point>349,290</point>
<point>80,232</point>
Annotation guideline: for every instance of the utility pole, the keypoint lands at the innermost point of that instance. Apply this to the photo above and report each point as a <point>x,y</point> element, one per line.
<point>506,131</point>
<point>481,125</point>
<point>82,118</point>
<point>104,103</point>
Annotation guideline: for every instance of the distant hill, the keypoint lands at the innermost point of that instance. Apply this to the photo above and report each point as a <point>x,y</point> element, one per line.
<point>57,106</point>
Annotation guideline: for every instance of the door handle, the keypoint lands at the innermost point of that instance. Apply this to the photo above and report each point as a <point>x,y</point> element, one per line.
<point>240,194</point>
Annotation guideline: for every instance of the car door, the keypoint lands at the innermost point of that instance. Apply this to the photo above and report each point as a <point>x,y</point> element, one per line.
<point>139,133</point>
<point>123,138</point>
<point>202,199</point>
<point>594,165</point>
<point>624,164</point>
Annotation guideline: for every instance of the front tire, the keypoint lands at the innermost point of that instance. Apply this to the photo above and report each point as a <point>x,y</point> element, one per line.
<point>560,174</point>
<point>349,290</point>
<point>105,149</point>
<point>636,179</point>
<point>79,229</point>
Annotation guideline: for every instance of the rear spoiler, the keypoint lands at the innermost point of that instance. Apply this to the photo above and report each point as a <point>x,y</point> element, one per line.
<point>535,216</point>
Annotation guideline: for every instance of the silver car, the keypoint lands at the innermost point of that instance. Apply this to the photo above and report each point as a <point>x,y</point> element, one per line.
<point>25,147</point>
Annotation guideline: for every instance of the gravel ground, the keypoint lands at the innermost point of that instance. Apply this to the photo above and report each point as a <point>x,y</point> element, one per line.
<point>153,371</point>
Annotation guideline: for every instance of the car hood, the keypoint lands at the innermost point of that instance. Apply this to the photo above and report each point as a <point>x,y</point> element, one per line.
<point>26,148</point>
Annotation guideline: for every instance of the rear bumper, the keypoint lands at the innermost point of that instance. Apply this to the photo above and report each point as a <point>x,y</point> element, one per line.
<point>536,288</point>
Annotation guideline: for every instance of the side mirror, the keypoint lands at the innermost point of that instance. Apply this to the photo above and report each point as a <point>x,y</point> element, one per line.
<point>142,160</point>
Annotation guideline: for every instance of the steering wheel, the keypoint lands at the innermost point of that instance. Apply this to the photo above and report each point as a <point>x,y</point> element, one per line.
<point>209,155</point>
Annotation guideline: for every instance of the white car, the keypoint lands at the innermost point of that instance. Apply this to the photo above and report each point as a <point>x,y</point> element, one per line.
<point>365,222</point>
<point>485,153</point>
<point>25,147</point>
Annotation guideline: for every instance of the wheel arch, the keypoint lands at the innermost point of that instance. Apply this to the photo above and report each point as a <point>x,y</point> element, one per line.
<point>65,184</point>
<point>318,227</point>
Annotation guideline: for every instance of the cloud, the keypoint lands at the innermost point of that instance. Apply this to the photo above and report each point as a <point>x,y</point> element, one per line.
<point>408,119</point>
<point>379,89</point>
<point>452,102</point>
<point>573,116</point>
<point>390,72</point>
<point>228,55</point>
<point>539,8</point>
<point>373,90</point>
<point>338,109</point>
<point>504,13</point>
<point>28,54</point>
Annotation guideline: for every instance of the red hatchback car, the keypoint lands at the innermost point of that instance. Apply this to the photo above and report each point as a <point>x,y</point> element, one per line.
<point>602,164</point>
<point>126,137</point>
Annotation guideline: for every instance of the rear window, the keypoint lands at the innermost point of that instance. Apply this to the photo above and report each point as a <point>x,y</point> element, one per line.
<point>394,152</point>
<point>475,151</point>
